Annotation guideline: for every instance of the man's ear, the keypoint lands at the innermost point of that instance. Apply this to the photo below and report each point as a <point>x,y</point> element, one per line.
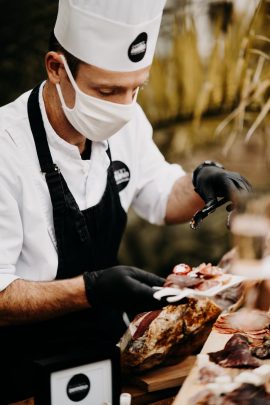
<point>54,65</point>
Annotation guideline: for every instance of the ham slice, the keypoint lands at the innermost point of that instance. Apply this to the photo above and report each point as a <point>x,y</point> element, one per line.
<point>208,374</point>
<point>202,278</point>
<point>253,324</point>
<point>207,284</point>
<point>208,271</point>
<point>262,351</point>
<point>244,321</point>
<point>236,354</point>
<point>179,281</point>
<point>247,394</point>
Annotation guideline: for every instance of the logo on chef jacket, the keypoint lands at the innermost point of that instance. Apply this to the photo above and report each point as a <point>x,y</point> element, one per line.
<point>121,174</point>
<point>78,387</point>
<point>137,49</point>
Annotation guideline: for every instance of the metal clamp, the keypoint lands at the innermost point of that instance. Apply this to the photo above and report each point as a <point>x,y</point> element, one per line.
<point>207,210</point>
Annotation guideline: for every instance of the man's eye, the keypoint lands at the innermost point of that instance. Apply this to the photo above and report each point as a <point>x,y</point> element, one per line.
<point>105,92</point>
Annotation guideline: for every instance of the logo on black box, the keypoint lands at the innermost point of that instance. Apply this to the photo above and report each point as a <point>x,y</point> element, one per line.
<point>78,387</point>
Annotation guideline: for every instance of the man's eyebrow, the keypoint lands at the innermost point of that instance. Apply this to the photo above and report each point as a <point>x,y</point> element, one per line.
<point>116,86</point>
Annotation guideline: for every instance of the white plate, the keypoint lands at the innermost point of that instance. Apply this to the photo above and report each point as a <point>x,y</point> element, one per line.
<point>176,294</point>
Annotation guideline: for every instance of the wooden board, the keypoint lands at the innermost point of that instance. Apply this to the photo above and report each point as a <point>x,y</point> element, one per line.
<point>141,397</point>
<point>164,377</point>
<point>216,341</point>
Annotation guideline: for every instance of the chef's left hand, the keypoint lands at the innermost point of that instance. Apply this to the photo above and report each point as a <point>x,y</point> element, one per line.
<point>123,287</point>
<point>211,181</point>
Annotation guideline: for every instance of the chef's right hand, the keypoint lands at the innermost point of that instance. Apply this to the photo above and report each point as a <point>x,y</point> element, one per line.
<point>211,181</point>
<point>123,287</point>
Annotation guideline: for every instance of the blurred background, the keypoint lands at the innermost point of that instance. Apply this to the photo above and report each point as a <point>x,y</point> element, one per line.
<point>208,98</point>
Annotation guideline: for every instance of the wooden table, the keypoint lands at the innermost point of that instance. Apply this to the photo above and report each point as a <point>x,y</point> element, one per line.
<point>161,383</point>
<point>216,341</point>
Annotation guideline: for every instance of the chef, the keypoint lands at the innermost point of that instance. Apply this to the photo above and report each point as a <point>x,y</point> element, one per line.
<point>76,152</point>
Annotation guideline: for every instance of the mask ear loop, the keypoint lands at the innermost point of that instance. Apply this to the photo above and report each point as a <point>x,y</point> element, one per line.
<point>67,69</point>
<point>60,94</point>
<point>73,83</point>
<point>135,95</point>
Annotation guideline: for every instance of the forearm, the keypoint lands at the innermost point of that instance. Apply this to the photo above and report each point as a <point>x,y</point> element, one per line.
<point>26,301</point>
<point>183,201</point>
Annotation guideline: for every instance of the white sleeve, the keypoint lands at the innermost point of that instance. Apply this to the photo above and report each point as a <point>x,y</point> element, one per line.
<point>11,236</point>
<point>156,177</point>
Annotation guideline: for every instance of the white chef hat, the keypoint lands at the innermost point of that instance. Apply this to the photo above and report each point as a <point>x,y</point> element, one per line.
<point>118,35</point>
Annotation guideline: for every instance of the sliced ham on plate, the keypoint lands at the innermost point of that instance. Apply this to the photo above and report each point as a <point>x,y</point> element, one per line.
<point>253,323</point>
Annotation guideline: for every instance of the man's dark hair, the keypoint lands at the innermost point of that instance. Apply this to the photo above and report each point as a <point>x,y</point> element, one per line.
<point>72,61</point>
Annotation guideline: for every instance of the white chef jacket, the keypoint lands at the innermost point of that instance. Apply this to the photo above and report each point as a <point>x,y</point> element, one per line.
<point>27,240</point>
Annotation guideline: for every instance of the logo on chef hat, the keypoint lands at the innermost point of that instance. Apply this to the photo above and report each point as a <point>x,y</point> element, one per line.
<point>137,49</point>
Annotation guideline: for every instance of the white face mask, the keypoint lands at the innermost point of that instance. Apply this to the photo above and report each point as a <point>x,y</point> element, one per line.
<point>92,117</point>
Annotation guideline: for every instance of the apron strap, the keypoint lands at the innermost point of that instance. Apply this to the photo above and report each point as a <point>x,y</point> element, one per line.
<point>108,151</point>
<point>47,166</point>
<point>39,133</point>
<point>57,186</point>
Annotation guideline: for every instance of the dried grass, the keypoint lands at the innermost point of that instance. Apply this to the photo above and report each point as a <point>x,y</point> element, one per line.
<point>233,78</point>
<point>256,85</point>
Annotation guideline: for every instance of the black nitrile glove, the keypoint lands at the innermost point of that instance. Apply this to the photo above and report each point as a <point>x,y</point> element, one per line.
<point>125,288</point>
<point>211,181</point>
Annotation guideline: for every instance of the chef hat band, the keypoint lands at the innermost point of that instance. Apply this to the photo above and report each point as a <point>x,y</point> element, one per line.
<point>107,39</point>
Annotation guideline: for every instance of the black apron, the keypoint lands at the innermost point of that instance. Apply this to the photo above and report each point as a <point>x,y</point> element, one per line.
<point>87,240</point>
